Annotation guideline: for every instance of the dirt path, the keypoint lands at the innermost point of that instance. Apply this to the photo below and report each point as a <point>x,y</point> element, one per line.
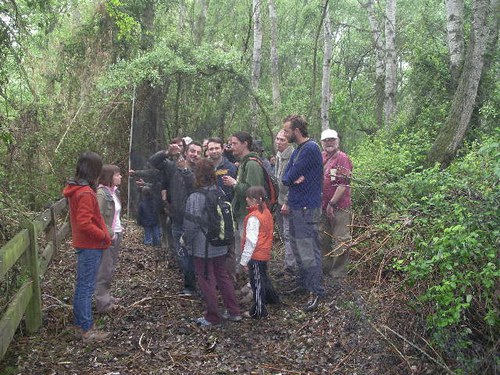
<point>153,333</point>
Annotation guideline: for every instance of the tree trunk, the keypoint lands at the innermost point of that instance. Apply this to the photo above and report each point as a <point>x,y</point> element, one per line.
<point>274,61</point>
<point>327,60</point>
<point>455,36</point>
<point>452,133</point>
<point>199,26</point>
<point>390,62</point>
<point>256,61</point>
<point>379,62</point>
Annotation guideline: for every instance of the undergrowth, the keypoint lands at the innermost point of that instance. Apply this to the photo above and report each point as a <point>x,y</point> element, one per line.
<point>446,222</point>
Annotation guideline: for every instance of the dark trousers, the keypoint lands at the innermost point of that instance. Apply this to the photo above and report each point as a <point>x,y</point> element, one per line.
<point>263,290</point>
<point>212,275</point>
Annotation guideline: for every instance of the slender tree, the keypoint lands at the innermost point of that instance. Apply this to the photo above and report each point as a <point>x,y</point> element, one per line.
<point>256,60</point>
<point>378,44</point>
<point>390,62</point>
<point>455,36</point>
<point>327,60</point>
<point>274,61</point>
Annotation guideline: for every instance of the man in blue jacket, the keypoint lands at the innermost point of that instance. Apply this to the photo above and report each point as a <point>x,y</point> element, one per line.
<point>304,176</point>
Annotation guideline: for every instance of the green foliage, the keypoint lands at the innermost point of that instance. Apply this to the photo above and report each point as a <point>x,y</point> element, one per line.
<point>450,232</point>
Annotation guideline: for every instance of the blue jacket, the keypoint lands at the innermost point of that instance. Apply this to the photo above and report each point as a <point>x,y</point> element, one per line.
<point>306,160</point>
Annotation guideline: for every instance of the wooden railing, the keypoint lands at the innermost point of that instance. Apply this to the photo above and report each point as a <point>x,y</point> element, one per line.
<point>24,249</point>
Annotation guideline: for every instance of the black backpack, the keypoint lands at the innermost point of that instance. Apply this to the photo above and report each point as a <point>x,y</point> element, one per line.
<point>220,227</point>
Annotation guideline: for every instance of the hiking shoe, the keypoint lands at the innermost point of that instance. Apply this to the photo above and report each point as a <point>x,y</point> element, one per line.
<point>232,318</point>
<point>187,293</point>
<point>94,335</point>
<point>312,303</point>
<point>202,322</point>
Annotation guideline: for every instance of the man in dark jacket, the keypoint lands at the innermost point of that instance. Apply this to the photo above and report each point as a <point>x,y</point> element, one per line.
<point>223,167</point>
<point>178,181</point>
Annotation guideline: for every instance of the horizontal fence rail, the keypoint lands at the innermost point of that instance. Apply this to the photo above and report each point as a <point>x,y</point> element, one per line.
<point>50,228</point>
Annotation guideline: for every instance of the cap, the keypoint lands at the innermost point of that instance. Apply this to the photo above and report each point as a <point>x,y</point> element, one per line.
<point>329,133</point>
<point>187,140</point>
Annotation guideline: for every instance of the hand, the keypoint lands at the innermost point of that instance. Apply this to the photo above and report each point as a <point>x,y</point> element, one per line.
<point>140,182</point>
<point>284,209</point>
<point>173,149</point>
<point>131,172</point>
<point>330,211</point>
<point>245,268</point>
<point>299,180</point>
<point>228,181</point>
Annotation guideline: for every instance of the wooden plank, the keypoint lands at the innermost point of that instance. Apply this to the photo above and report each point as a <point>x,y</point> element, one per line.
<point>34,309</point>
<point>63,232</point>
<point>60,206</point>
<point>42,221</point>
<point>12,250</point>
<point>46,258</point>
<point>12,317</point>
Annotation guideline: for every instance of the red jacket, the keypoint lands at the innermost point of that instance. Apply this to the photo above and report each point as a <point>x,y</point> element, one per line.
<point>265,240</point>
<point>87,225</point>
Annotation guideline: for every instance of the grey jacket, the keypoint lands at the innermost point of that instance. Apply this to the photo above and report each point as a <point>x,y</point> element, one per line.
<point>194,239</point>
<point>282,159</point>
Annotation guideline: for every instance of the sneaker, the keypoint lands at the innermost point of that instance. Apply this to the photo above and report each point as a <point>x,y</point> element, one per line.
<point>232,318</point>
<point>187,293</point>
<point>202,322</point>
<point>94,335</point>
<point>313,302</point>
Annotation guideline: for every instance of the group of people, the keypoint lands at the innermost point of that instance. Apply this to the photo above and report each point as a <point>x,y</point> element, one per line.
<point>312,215</point>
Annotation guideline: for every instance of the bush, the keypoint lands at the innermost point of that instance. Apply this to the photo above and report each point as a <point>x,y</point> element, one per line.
<point>451,235</point>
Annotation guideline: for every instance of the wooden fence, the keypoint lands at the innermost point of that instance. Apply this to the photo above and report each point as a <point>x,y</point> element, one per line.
<point>24,247</point>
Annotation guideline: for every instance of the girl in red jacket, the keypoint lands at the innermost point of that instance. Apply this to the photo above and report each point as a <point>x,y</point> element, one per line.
<point>256,243</point>
<point>90,239</point>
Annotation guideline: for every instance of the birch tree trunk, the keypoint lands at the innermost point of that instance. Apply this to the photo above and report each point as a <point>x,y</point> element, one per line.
<point>256,61</point>
<point>327,60</point>
<point>379,61</point>
<point>455,36</point>
<point>199,26</point>
<point>274,62</point>
<point>452,133</point>
<point>390,65</point>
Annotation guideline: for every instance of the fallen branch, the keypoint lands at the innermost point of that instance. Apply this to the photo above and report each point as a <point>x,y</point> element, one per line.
<point>142,348</point>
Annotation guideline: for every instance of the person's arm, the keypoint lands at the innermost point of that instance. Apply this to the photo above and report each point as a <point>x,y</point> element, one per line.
<point>85,219</point>
<point>101,201</point>
<point>251,237</point>
<point>191,226</point>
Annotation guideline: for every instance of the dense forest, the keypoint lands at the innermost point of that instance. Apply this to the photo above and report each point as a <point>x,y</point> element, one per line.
<point>411,87</point>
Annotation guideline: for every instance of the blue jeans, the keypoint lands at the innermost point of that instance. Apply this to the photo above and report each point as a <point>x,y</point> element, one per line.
<point>152,235</point>
<point>304,239</point>
<point>184,259</point>
<point>87,266</point>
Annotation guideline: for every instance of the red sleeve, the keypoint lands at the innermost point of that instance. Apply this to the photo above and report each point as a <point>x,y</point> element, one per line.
<point>344,170</point>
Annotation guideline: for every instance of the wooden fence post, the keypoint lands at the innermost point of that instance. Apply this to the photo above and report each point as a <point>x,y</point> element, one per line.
<point>53,229</point>
<point>34,308</point>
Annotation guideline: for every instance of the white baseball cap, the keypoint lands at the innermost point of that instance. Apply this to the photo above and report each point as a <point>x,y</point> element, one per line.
<point>329,133</point>
<point>187,140</point>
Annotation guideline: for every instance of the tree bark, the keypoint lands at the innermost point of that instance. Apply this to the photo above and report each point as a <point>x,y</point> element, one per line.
<point>379,61</point>
<point>390,62</point>
<point>256,61</point>
<point>455,36</point>
<point>452,133</point>
<point>327,59</point>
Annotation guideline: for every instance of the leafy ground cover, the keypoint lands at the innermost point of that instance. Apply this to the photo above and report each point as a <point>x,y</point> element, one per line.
<point>361,328</point>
